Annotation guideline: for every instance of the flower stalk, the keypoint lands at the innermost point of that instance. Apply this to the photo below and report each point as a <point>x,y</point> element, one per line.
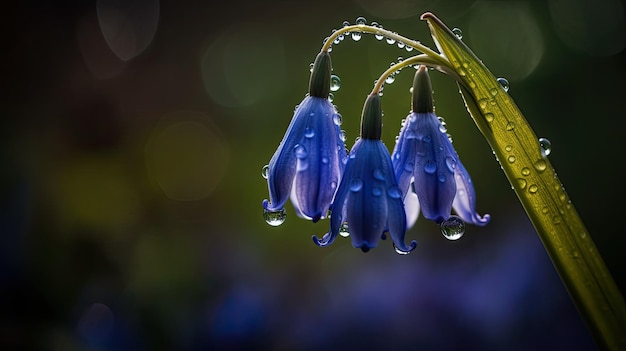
<point>540,191</point>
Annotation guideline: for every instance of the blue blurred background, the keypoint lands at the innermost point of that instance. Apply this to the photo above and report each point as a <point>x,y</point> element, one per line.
<point>133,137</point>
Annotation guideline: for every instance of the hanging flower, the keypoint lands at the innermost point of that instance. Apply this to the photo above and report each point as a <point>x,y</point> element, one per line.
<point>428,168</point>
<point>368,197</point>
<point>309,160</point>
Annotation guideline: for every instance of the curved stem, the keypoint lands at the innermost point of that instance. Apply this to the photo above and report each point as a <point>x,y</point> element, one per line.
<point>364,28</point>
<point>422,59</point>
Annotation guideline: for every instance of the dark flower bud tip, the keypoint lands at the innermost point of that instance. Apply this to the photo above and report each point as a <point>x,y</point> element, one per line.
<point>422,98</point>
<point>319,83</point>
<point>372,118</point>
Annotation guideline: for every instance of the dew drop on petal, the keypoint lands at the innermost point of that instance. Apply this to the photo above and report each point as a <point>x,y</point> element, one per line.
<point>394,192</point>
<point>503,83</point>
<point>430,167</point>
<point>378,174</point>
<point>442,178</point>
<point>275,218</point>
<point>450,163</point>
<point>458,33</point>
<point>342,135</point>
<point>324,160</point>
<point>376,191</point>
<point>309,132</point>
<point>442,128</point>
<point>300,151</point>
<point>265,171</point>
<point>546,146</point>
<point>335,82</point>
<point>453,228</point>
<point>344,230</point>
<point>337,118</point>
<point>356,184</point>
<point>426,139</point>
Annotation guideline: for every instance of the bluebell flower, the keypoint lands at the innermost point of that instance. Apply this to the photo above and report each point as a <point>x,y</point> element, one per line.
<point>368,197</point>
<point>310,158</point>
<point>427,167</point>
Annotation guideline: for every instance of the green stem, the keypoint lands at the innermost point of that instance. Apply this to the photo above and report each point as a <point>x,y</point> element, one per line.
<point>540,191</point>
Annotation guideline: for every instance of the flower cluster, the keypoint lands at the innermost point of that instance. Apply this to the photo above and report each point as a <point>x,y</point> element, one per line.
<point>368,193</point>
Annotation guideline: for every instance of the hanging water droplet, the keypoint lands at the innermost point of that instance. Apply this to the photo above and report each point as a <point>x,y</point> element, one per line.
<point>342,135</point>
<point>400,252</point>
<point>335,82</point>
<point>503,83</point>
<point>442,128</point>
<point>361,20</point>
<point>356,36</point>
<point>331,97</point>
<point>430,167</point>
<point>546,146</point>
<point>265,171</point>
<point>356,184</point>
<point>344,230</point>
<point>400,45</point>
<point>390,79</point>
<point>300,151</point>
<point>458,33</point>
<point>345,24</point>
<point>309,132</point>
<point>311,67</point>
<point>408,48</point>
<point>390,41</point>
<point>453,228</point>
<point>275,218</point>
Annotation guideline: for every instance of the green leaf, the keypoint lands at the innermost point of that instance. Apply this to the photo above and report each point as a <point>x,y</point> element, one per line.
<point>540,191</point>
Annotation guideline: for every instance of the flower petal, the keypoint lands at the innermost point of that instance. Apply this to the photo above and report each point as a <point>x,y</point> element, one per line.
<point>411,206</point>
<point>465,200</point>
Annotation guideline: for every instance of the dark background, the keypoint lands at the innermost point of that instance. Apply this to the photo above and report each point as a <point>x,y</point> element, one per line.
<point>132,142</point>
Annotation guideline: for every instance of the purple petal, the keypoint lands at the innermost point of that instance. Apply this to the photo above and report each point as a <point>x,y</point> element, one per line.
<point>465,200</point>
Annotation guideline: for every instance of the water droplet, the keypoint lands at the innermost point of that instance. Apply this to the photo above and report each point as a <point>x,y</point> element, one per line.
<point>525,171</point>
<point>458,33</point>
<point>400,252</point>
<point>345,24</point>
<point>390,41</point>
<point>335,82</point>
<point>503,83</point>
<point>453,228</point>
<point>508,148</point>
<point>331,97</point>
<point>400,45</point>
<point>521,182</point>
<point>489,117</point>
<point>442,128</point>
<point>533,189</point>
<point>493,91</point>
<point>312,114</point>
<point>390,79</point>
<point>310,68</point>
<point>394,192</point>
<point>426,139</point>
<point>540,165</point>
<point>324,160</point>
<point>300,151</point>
<point>546,146</point>
<point>356,184</point>
<point>408,167</point>
<point>430,167</point>
<point>344,230</point>
<point>450,163</point>
<point>544,210</point>
<point>510,126</point>
<point>356,36</point>
<point>483,103</point>
<point>378,174</point>
<point>275,218</point>
<point>265,171</point>
<point>442,178</point>
<point>361,20</point>
<point>511,159</point>
<point>408,48</point>
<point>376,191</point>
<point>342,135</point>
<point>337,118</point>
<point>309,132</point>
<point>333,184</point>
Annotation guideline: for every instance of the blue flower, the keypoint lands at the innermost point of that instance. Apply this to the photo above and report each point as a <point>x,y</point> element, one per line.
<point>309,160</point>
<point>368,197</point>
<point>427,167</point>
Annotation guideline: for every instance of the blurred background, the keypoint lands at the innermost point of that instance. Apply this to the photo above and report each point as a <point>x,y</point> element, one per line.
<point>133,137</point>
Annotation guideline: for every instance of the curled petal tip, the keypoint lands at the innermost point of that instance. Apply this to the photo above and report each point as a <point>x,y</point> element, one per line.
<point>326,240</point>
<point>365,247</point>
<point>478,220</point>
